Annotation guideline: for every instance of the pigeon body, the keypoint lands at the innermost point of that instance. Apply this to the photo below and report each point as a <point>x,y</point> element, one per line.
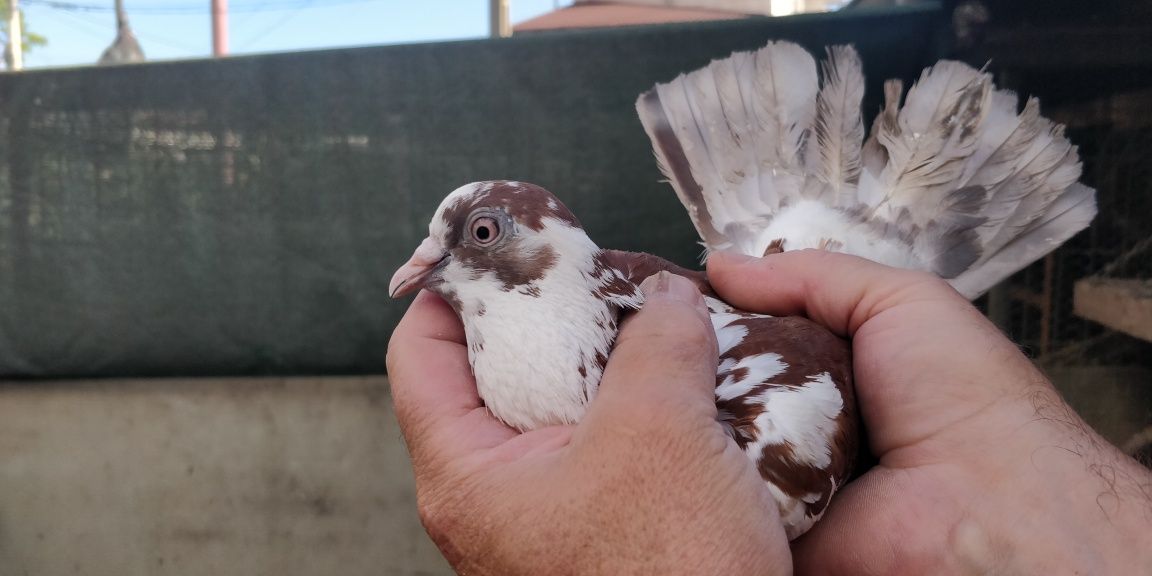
<point>541,302</point>
<point>765,159</point>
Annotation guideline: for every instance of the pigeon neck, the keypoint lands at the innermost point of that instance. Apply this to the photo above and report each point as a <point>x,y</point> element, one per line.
<point>636,266</point>
<point>538,355</point>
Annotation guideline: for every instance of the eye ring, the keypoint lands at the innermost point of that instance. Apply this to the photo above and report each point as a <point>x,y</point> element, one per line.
<point>484,230</point>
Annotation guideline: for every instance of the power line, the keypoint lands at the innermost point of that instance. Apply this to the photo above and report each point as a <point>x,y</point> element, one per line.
<point>107,32</point>
<point>251,40</point>
<point>198,8</point>
<point>248,16</point>
<point>101,33</point>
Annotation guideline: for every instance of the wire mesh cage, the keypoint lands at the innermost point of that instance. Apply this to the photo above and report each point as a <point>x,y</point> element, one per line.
<point>1037,308</point>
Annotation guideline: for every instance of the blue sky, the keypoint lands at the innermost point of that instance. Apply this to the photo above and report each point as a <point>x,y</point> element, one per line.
<point>79,30</point>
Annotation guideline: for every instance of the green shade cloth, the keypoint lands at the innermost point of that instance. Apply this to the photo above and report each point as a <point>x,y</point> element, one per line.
<point>244,216</point>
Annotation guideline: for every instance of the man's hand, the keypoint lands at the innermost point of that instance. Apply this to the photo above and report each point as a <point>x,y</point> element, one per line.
<point>646,483</point>
<point>983,469</point>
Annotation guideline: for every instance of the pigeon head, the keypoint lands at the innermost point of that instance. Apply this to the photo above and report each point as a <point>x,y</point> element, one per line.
<point>538,299</point>
<point>502,235</point>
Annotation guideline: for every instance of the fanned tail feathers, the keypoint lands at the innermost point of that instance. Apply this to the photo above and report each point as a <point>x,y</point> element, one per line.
<point>730,138</point>
<point>763,153</point>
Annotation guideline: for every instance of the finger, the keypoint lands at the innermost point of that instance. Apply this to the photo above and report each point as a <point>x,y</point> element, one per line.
<point>433,391</point>
<point>664,361</point>
<point>836,290</point>
<point>428,361</point>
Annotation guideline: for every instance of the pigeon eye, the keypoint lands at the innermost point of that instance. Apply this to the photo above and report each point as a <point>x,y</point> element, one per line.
<point>485,230</point>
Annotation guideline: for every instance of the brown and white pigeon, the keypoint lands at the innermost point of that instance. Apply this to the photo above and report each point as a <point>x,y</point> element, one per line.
<point>766,158</point>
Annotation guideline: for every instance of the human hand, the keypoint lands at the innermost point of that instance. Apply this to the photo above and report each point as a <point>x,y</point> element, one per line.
<point>983,468</point>
<point>647,483</point>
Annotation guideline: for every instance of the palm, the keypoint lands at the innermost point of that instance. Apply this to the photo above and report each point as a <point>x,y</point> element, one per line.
<point>929,433</point>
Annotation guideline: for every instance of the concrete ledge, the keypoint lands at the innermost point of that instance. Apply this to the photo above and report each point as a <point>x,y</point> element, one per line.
<point>259,477</point>
<point>1118,303</point>
<point>219,477</point>
<point>1114,400</point>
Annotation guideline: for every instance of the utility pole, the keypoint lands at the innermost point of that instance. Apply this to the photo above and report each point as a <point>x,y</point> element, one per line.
<point>219,28</point>
<point>498,23</point>
<point>15,37</point>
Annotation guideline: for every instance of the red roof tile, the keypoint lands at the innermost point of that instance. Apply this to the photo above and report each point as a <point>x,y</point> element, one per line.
<point>605,14</point>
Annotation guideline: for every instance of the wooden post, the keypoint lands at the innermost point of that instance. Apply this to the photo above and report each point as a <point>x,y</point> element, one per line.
<point>219,28</point>
<point>1047,314</point>
<point>15,36</point>
<point>498,24</point>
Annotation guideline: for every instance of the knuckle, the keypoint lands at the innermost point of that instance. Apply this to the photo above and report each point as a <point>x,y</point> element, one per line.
<point>927,284</point>
<point>697,347</point>
<point>433,515</point>
<point>662,433</point>
<point>452,510</point>
<point>440,514</point>
<point>674,324</point>
<point>394,356</point>
<point>436,524</point>
<point>667,344</point>
<point>677,344</point>
<point>927,280</point>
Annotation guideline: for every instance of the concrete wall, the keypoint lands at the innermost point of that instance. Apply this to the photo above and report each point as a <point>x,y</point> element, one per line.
<point>207,477</point>
<point>254,477</point>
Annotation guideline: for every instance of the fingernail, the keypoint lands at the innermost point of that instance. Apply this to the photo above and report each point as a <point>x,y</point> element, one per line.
<point>650,286</point>
<point>665,285</point>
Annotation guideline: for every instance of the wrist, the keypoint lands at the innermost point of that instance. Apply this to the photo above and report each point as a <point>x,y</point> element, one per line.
<point>1063,500</point>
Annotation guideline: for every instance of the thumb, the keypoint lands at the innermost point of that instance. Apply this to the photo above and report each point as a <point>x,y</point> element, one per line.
<point>840,291</point>
<point>663,366</point>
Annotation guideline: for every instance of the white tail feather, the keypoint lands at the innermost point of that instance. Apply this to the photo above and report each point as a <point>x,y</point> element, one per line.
<point>1071,213</point>
<point>935,132</point>
<point>834,162</point>
<point>731,158</point>
<point>954,181</point>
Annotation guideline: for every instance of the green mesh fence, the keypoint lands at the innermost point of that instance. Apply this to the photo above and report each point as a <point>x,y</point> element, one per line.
<point>244,216</point>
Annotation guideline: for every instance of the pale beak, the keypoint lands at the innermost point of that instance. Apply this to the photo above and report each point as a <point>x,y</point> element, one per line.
<point>414,274</point>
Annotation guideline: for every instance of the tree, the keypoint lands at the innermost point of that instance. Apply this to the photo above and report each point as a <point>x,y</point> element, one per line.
<point>30,40</point>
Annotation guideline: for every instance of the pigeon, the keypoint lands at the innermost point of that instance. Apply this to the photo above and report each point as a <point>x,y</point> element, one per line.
<point>767,155</point>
